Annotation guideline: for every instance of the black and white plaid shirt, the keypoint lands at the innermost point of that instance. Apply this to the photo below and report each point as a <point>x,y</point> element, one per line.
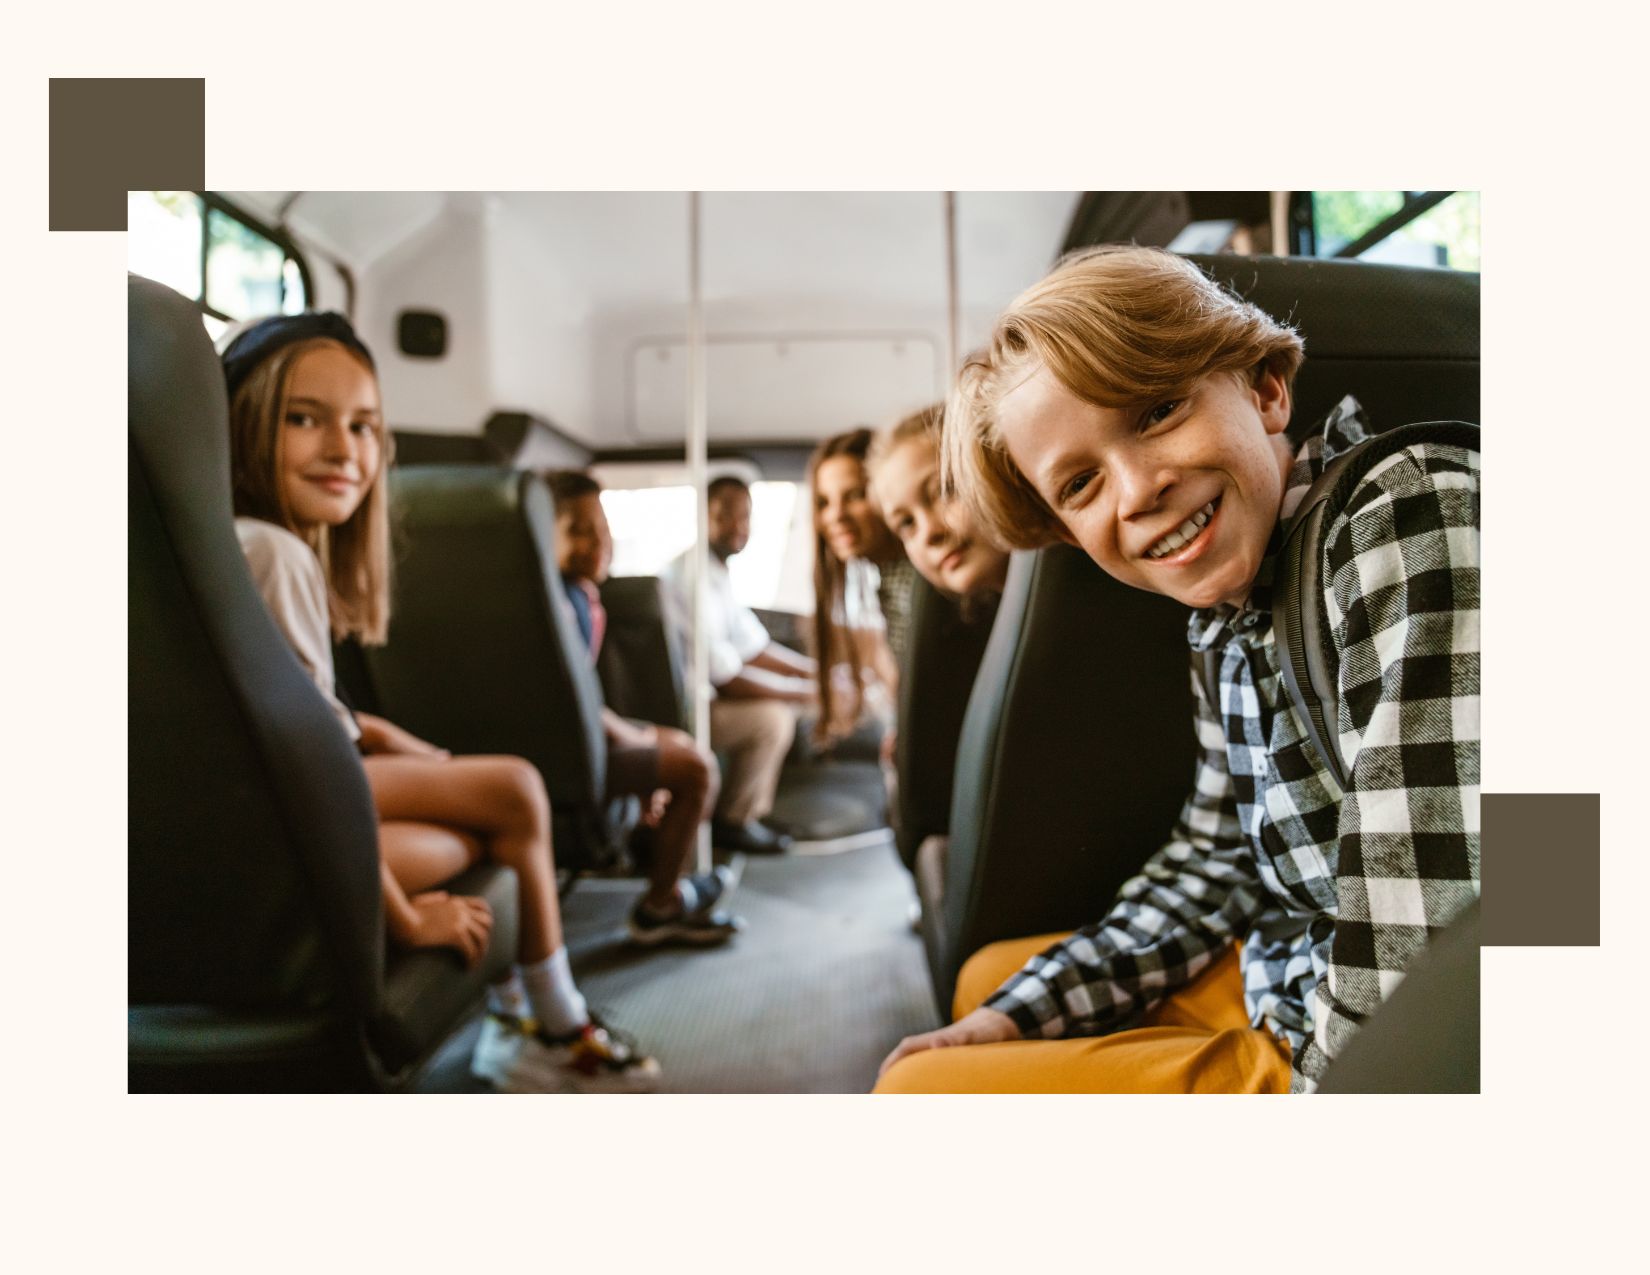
<point>1330,894</point>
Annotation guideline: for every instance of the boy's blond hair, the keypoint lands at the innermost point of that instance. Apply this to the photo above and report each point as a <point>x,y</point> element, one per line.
<point>1117,326</point>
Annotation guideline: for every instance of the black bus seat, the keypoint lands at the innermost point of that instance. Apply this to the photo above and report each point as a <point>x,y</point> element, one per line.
<point>515,440</point>
<point>1075,755</point>
<point>1425,1039</point>
<point>1401,340</point>
<point>484,654</point>
<point>256,947</point>
<point>640,665</point>
<point>944,645</point>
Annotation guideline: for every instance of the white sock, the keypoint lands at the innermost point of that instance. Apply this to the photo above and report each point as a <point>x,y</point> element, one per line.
<point>556,1002</point>
<point>508,997</point>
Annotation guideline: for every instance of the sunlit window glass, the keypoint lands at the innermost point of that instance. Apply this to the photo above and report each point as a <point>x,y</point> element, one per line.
<point>1446,235</point>
<point>163,238</point>
<point>243,269</point>
<point>293,299</point>
<point>758,573</point>
<point>650,526</point>
<point>654,525</point>
<point>1340,216</point>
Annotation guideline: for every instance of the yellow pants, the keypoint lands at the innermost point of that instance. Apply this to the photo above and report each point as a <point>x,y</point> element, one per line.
<point>1197,1041</point>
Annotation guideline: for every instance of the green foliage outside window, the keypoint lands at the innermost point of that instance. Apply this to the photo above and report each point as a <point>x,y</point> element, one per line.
<point>1445,235</point>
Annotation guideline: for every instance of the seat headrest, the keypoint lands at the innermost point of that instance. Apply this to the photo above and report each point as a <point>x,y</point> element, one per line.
<point>1403,340</point>
<point>177,407</point>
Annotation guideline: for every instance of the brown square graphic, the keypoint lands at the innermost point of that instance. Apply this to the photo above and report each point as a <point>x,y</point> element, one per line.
<point>111,136</point>
<point>1541,869</point>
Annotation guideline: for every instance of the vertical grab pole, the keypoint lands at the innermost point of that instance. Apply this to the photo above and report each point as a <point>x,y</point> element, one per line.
<point>1280,223</point>
<point>698,468</point>
<point>953,307</point>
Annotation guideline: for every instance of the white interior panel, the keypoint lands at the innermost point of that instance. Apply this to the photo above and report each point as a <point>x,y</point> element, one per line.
<point>804,387</point>
<point>573,305</point>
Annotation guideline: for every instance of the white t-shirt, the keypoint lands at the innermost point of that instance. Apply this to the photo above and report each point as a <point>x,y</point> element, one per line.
<point>732,632</point>
<point>288,575</point>
<point>861,607</point>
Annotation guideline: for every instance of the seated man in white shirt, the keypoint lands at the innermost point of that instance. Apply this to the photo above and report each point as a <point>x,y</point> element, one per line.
<point>758,683</point>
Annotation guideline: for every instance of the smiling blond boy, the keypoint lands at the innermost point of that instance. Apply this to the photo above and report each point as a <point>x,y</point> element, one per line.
<point>1129,406</point>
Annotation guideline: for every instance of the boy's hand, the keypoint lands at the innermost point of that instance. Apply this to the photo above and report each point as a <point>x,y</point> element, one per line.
<point>982,1027</point>
<point>450,920</point>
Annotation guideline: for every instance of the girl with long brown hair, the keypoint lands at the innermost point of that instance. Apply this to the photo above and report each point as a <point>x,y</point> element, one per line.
<point>858,564</point>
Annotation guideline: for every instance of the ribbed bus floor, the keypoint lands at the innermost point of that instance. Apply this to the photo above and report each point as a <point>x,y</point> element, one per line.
<point>826,977</point>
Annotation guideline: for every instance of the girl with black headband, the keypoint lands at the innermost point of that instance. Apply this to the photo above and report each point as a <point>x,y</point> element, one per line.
<point>309,452</point>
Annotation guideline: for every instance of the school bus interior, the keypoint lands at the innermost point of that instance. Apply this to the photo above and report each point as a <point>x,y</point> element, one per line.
<point>518,332</point>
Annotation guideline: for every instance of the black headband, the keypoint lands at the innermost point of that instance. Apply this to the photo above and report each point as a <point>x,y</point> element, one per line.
<point>266,336</point>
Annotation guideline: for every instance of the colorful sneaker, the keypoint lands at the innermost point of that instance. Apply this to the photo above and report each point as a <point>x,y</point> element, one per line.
<point>593,1059</point>
<point>499,1047</point>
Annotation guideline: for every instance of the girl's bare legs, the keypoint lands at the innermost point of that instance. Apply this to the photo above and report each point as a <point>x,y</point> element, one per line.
<point>423,856</point>
<point>413,857</point>
<point>500,801</point>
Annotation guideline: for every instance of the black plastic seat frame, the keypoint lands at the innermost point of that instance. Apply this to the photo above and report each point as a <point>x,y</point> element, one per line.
<point>484,654</point>
<point>256,946</point>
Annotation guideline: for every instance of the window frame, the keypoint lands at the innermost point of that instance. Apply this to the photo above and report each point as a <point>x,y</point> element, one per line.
<point>212,202</point>
<point>1303,231</point>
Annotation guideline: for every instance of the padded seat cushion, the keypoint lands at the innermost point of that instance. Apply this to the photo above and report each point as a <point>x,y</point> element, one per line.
<point>427,989</point>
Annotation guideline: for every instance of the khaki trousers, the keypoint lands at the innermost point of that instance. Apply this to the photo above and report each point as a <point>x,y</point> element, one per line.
<point>755,735</point>
<point>1197,1041</point>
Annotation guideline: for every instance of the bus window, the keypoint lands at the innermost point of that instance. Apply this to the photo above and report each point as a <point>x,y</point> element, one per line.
<point>651,513</point>
<point>1397,227</point>
<point>227,263</point>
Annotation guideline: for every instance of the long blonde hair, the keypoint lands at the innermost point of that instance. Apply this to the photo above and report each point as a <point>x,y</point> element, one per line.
<point>355,556</point>
<point>1117,326</point>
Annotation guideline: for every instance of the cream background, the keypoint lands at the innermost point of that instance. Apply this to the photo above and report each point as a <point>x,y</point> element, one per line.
<point>1533,110</point>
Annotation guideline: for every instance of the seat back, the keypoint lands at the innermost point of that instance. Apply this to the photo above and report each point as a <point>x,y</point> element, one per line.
<point>484,654</point>
<point>640,664</point>
<point>943,650</point>
<point>1425,1039</point>
<point>252,854</point>
<point>1075,756</point>
<point>1402,340</point>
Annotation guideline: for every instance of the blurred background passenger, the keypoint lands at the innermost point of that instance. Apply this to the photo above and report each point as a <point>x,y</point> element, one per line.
<point>939,538</point>
<point>857,565</point>
<point>759,685</point>
<point>676,782</point>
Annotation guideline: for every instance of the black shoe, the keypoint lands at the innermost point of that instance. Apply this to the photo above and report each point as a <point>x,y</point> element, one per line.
<point>753,837</point>
<point>692,929</point>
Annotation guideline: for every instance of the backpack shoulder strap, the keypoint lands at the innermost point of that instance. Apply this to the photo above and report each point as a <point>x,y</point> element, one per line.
<point>1208,668</point>
<point>1306,650</point>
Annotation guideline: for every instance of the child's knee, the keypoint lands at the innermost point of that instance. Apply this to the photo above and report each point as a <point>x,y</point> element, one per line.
<point>522,794</point>
<point>685,768</point>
